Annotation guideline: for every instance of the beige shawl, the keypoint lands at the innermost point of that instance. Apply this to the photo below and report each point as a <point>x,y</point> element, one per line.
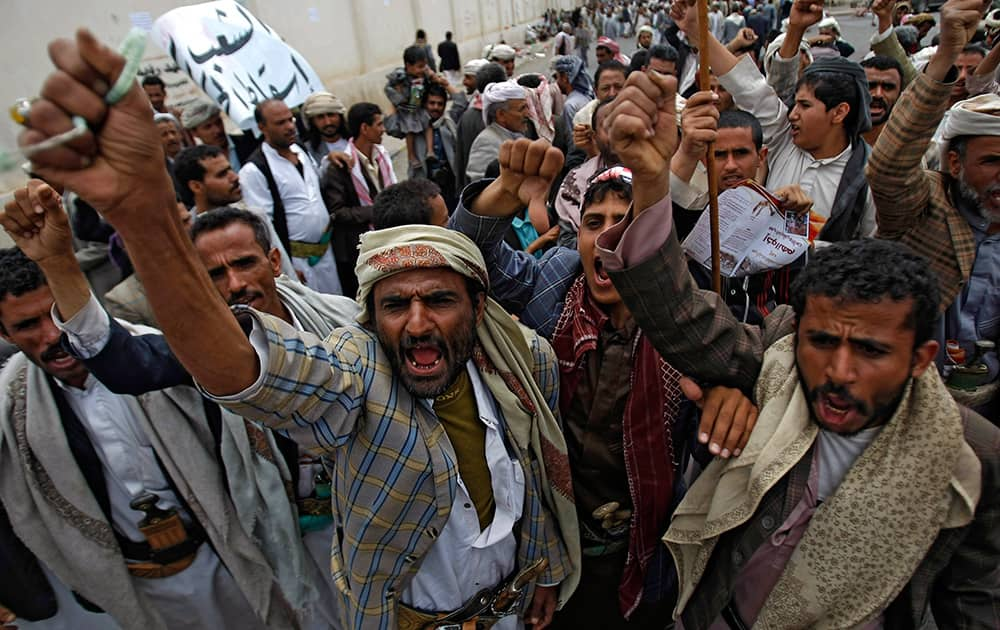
<point>918,474</point>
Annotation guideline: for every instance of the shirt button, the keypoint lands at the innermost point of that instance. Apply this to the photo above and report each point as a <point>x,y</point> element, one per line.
<point>767,522</point>
<point>468,505</point>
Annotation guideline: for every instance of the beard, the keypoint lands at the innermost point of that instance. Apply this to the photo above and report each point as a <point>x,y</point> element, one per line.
<point>978,202</point>
<point>455,350</point>
<point>874,415</point>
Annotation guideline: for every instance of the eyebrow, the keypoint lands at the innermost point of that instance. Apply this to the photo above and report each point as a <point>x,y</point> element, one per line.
<point>857,341</point>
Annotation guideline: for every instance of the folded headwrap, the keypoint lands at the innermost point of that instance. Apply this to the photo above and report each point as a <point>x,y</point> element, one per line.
<point>321,103</point>
<point>646,28</point>
<point>472,66</point>
<point>612,45</point>
<point>158,118</point>
<point>501,52</point>
<point>857,73</point>
<point>502,357</point>
<point>572,67</point>
<point>541,109</point>
<point>977,116</point>
<point>198,112</point>
<point>501,93</point>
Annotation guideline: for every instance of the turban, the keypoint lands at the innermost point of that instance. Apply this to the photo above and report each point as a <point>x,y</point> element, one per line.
<point>502,52</point>
<point>158,118</point>
<point>839,65</point>
<point>572,67</point>
<point>977,116</point>
<point>198,112</point>
<point>501,93</point>
<point>472,66</point>
<point>321,103</point>
<point>503,354</point>
<point>542,109</point>
<point>612,45</point>
<point>645,29</point>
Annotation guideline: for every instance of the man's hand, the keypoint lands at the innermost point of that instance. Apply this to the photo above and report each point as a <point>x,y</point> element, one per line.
<point>699,123</point>
<point>341,159</point>
<point>959,20</point>
<point>37,223</point>
<point>527,169</point>
<point>543,606</point>
<point>794,199</point>
<point>883,11</point>
<point>685,14</point>
<point>804,14</point>
<point>119,167</point>
<point>643,131</point>
<point>727,417</point>
<point>583,139</point>
<point>743,40</point>
<point>7,617</point>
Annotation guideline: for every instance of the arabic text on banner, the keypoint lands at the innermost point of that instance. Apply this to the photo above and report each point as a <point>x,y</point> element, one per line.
<point>234,58</point>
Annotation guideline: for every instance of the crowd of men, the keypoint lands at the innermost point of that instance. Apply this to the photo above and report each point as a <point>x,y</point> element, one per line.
<point>264,381</point>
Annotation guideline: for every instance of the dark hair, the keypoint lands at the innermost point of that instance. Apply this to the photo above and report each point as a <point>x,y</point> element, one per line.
<point>258,111</point>
<point>959,144</point>
<point>883,63</point>
<point>870,271</point>
<point>315,137</point>
<point>447,35</point>
<point>188,168</point>
<point>609,66</point>
<point>154,80</point>
<point>361,114</point>
<point>488,74</point>
<point>663,52</point>
<point>434,90</point>
<point>976,48</point>
<point>405,203</point>
<point>414,54</point>
<point>421,34</point>
<point>832,89</point>
<point>600,105</point>
<point>739,119</point>
<point>18,275</point>
<point>227,215</point>
<point>530,80</point>
<point>600,190</point>
<point>640,59</point>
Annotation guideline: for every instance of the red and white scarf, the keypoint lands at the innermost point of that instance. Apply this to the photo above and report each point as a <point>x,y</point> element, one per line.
<point>365,195</point>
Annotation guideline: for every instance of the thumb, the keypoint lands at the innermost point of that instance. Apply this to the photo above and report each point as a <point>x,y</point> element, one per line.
<point>692,391</point>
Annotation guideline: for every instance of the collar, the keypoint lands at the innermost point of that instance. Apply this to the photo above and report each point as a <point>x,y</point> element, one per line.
<point>842,156</point>
<point>271,152</point>
<point>88,386</point>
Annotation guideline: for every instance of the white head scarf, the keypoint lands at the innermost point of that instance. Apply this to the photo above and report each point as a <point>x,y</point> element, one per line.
<point>501,93</point>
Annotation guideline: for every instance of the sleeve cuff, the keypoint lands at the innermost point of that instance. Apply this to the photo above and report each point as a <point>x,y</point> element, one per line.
<point>257,335</point>
<point>631,242</point>
<point>88,331</point>
<point>878,38</point>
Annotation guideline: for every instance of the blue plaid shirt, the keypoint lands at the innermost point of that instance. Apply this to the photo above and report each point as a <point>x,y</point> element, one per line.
<point>532,288</point>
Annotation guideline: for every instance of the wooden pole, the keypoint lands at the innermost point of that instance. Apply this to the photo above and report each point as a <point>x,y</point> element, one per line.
<point>704,80</point>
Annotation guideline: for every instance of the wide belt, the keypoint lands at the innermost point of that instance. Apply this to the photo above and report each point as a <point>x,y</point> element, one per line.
<point>482,612</point>
<point>312,251</point>
<point>170,546</point>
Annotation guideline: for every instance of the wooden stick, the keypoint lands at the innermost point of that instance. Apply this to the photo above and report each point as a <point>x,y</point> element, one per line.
<point>704,80</point>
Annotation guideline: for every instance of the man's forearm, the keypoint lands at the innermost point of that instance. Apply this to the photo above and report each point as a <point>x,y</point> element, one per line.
<point>198,325</point>
<point>790,45</point>
<point>68,284</point>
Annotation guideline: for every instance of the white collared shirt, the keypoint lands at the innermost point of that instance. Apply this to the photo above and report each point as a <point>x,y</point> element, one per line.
<point>465,560</point>
<point>787,163</point>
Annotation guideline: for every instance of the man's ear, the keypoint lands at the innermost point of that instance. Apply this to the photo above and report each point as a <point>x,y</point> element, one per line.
<point>840,112</point>
<point>923,356</point>
<point>195,186</point>
<point>954,164</point>
<point>274,257</point>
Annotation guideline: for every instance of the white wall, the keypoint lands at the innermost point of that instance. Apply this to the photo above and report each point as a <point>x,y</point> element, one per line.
<point>351,44</point>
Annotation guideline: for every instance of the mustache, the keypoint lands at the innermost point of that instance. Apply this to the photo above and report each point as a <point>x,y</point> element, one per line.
<point>53,352</point>
<point>840,392</point>
<point>243,296</point>
<point>880,102</point>
<point>409,342</point>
